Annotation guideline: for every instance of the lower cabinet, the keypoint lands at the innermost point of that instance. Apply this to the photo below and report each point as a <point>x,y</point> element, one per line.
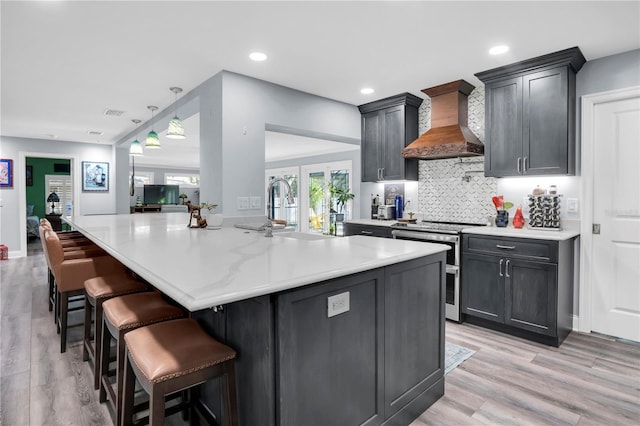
<point>364,349</point>
<point>520,286</point>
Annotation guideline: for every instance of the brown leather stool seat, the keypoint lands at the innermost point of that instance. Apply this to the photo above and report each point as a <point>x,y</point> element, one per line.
<point>121,315</point>
<point>98,290</point>
<point>70,252</point>
<point>172,356</point>
<point>70,275</point>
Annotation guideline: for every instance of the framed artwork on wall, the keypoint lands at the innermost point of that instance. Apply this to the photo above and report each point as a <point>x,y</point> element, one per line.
<point>29,175</point>
<point>6,173</point>
<point>95,176</point>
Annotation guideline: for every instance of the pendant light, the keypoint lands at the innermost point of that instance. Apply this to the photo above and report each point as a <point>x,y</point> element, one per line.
<point>136,147</point>
<point>152,141</point>
<point>176,129</point>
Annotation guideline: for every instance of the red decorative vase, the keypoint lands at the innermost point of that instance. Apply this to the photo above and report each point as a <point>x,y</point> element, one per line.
<point>518,219</point>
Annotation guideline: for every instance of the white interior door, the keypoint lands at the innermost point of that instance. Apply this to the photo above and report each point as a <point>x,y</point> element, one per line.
<point>615,250</point>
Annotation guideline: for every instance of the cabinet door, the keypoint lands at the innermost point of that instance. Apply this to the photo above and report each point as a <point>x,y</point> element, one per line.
<point>330,368</point>
<point>370,146</point>
<point>545,137</point>
<point>392,162</point>
<point>503,124</point>
<point>531,291</point>
<point>482,286</point>
<point>414,329</point>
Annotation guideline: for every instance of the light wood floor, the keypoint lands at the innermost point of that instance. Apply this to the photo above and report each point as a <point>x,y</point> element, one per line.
<point>589,380</point>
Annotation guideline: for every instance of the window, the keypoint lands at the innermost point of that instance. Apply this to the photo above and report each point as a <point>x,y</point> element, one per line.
<point>182,179</point>
<point>143,178</point>
<point>61,185</point>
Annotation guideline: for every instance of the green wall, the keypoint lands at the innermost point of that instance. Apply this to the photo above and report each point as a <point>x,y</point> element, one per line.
<point>36,193</point>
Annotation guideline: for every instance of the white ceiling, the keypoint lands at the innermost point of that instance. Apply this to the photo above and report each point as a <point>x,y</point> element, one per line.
<point>65,62</point>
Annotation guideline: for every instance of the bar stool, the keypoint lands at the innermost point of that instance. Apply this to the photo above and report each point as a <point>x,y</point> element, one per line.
<point>121,315</point>
<point>98,290</point>
<point>70,252</point>
<point>173,356</point>
<point>70,275</point>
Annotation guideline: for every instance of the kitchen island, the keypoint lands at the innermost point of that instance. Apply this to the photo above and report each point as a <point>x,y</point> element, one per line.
<point>328,330</point>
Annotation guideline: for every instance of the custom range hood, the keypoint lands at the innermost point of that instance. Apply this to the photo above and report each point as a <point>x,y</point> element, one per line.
<point>449,136</point>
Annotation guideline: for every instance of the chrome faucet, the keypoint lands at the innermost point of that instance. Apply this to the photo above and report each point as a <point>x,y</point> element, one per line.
<point>269,226</point>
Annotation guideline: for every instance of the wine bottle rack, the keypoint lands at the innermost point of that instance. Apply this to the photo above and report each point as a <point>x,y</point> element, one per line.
<point>544,212</point>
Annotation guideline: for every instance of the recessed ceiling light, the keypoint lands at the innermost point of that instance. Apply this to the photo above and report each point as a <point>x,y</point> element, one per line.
<point>498,50</point>
<point>258,56</point>
<point>367,91</point>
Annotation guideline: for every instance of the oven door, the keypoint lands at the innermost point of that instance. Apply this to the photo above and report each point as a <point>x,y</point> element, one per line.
<point>452,297</point>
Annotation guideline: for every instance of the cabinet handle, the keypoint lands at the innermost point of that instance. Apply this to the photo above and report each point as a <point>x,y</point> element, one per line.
<point>500,246</point>
<point>382,173</point>
<point>518,165</point>
<point>500,270</point>
<point>379,173</point>
<point>366,233</point>
<point>506,269</point>
<point>524,165</point>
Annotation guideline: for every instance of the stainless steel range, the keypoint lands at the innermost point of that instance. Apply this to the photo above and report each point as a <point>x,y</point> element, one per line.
<point>442,233</point>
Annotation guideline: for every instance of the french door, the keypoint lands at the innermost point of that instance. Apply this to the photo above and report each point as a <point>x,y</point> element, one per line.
<point>314,209</point>
<point>316,203</point>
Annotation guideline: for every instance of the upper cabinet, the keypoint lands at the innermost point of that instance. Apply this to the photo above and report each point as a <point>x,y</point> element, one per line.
<point>388,125</point>
<point>530,116</point>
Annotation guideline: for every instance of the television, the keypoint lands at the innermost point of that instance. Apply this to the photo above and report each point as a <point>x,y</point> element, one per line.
<point>161,194</point>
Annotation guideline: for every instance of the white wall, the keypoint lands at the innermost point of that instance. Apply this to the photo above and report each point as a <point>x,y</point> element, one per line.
<point>248,106</point>
<point>13,200</point>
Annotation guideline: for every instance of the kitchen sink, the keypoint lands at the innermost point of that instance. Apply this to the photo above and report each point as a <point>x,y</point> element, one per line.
<point>301,236</point>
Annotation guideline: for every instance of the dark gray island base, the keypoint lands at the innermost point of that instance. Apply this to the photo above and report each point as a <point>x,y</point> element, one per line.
<point>381,362</point>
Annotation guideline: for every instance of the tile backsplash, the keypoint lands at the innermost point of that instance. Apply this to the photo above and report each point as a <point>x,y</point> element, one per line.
<point>455,190</point>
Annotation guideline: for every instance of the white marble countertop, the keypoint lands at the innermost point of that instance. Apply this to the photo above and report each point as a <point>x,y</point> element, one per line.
<point>201,268</point>
<point>510,231</point>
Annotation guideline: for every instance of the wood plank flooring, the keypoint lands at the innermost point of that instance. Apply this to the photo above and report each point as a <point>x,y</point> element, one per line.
<point>589,380</point>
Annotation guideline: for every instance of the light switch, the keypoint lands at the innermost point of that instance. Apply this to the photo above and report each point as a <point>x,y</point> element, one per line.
<point>572,205</point>
<point>243,203</point>
<point>256,203</point>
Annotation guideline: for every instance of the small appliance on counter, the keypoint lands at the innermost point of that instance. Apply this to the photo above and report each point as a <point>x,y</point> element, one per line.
<point>386,212</point>
<point>375,204</point>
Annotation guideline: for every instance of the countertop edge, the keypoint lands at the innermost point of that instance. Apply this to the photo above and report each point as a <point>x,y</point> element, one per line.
<point>522,233</point>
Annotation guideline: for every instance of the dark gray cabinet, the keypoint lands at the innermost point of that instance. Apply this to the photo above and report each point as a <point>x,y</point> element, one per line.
<point>530,116</point>
<point>368,230</point>
<point>388,125</point>
<point>380,362</point>
<point>325,362</point>
<point>524,286</point>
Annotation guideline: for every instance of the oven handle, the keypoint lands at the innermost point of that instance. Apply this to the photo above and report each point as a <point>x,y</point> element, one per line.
<point>451,269</point>
<point>425,236</point>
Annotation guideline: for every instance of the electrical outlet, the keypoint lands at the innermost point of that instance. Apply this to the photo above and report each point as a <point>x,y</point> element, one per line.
<point>256,203</point>
<point>243,203</point>
<point>337,304</point>
<point>572,205</point>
